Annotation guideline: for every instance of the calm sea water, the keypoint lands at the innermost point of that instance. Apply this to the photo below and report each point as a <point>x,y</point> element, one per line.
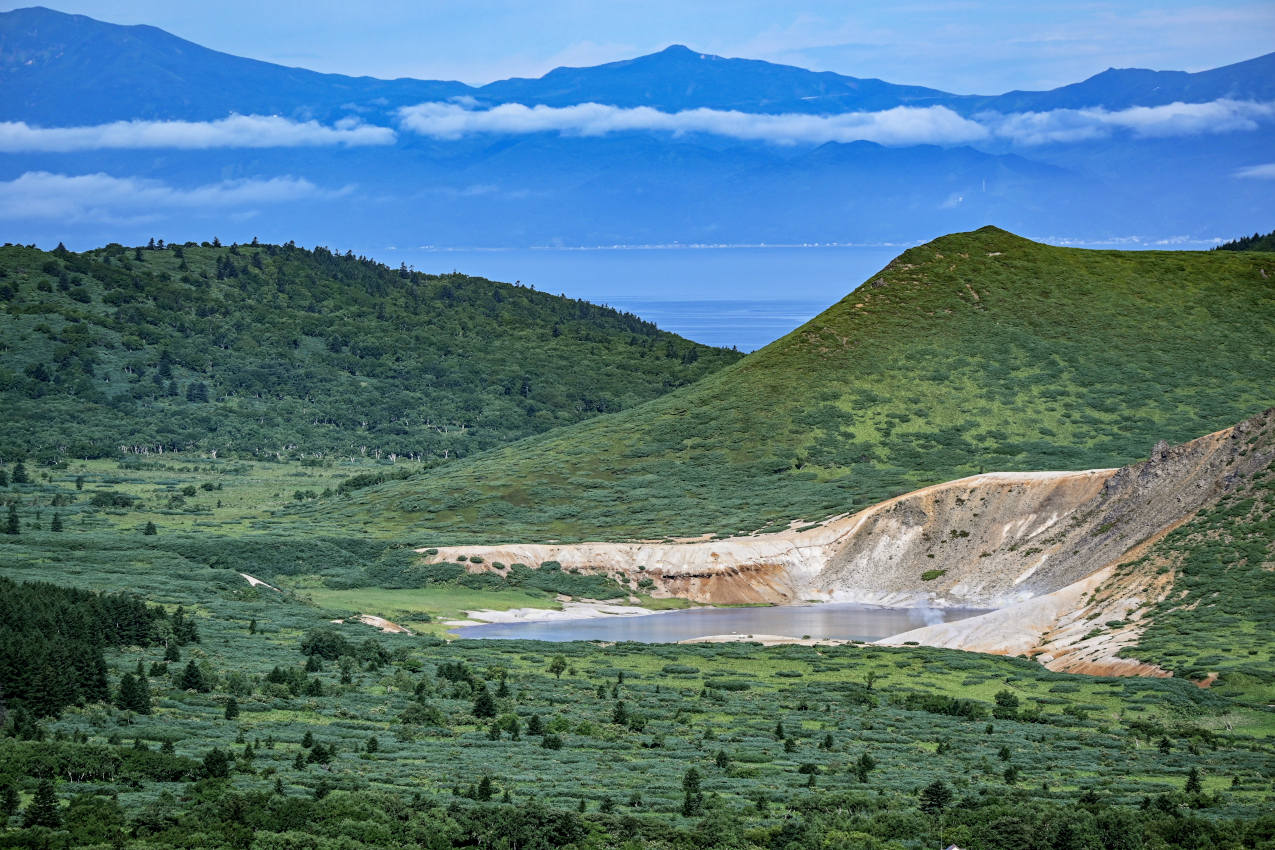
<point>740,296</point>
<point>831,620</point>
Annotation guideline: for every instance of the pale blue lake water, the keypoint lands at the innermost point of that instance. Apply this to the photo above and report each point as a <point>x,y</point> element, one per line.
<point>741,296</point>
<point>846,621</point>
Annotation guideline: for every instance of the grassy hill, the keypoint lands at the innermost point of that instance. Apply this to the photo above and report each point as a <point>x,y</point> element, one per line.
<point>977,351</point>
<point>257,349</point>
<point>1219,618</point>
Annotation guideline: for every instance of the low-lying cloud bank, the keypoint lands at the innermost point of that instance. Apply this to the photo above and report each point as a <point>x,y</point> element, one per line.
<point>1173,119</point>
<point>902,125</point>
<point>42,195</point>
<point>235,131</point>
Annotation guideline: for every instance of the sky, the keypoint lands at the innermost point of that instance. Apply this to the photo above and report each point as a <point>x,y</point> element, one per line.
<point>964,46</point>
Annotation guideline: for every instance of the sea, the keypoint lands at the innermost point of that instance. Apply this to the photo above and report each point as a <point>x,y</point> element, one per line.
<point>741,296</point>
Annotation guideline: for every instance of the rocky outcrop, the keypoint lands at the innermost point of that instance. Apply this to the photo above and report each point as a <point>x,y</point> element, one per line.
<point>995,540</point>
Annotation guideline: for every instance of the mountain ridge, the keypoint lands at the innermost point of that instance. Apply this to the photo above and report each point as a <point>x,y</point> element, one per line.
<point>715,81</point>
<point>975,351</point>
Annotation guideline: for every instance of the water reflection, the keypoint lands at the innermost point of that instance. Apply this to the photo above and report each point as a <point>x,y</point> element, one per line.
<point>846,621</point>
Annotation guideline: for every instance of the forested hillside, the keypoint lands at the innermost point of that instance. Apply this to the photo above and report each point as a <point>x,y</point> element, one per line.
<point>253,350</point>
<point>1256,242</point>
<point>975,352</point>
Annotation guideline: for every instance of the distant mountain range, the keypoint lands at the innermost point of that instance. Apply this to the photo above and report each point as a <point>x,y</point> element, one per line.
<point>677,146</point>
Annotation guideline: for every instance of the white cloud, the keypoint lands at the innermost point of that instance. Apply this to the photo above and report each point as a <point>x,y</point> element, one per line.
<point>1265,171</point>
<point>40,194</point>
<point>236,131</point>
<point>903,125</point>
<point>1173,119</point>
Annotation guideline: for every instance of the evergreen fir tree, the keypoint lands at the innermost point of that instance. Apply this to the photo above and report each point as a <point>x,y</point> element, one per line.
<point>192,678</point>
<point>150,529</point>
<point>20,474</point>
<point>43,809</point>
<point>56,525</point>
<point>216,764</point>
<point>126,696</point>
<point>484,704</point>
<point>8,802</point>
<point>232,708</point>
<point>11,525</point>
<point>4,477</point>
<point>693,797</point>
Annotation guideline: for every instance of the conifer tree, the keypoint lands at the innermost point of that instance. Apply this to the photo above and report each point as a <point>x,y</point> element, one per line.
<point>192,678</point>
<point>11,525</point>
<point>56,525</point>
<point>150,529</point>
<point>484,704</point>
<point>693,797</point>
<point>20,474</point>
<point>4,477</point>
<point>126,696</point>
<point>1193,783</point>
<point>216,764</point>
<point>232,708</point>
<point>43,809</point>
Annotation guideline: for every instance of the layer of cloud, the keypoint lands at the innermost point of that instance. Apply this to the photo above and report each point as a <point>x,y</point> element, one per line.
<point>98,197</point>
<point>236,131</point>
<point>1173,119</point>
<point>1265,171</point>
<point>901,125</point>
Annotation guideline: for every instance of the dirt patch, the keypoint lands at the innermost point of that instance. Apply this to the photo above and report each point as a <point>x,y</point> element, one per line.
<point>377,623</point>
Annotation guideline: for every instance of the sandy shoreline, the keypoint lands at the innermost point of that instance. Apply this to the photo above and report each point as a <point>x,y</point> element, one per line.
<point>770,640</point>
<point>583,610</point>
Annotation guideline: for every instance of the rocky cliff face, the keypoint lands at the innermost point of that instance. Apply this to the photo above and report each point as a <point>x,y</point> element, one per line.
<point>992,540</point>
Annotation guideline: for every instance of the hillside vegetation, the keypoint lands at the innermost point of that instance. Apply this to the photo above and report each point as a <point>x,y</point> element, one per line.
<point>254,350</point>
<point>978,351</point>
<point>1218,620</point>
<point>273,727</point>
<point>1256,242</point>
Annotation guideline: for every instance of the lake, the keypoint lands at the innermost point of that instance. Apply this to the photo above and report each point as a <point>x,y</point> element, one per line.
<point>847,621</point>
<point>729,296</point>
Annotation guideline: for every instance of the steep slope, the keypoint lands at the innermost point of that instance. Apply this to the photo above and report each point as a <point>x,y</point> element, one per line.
<point>1194,596</point>
<point>256,349</point>
<point>978,351</point>
<point>990,540</point>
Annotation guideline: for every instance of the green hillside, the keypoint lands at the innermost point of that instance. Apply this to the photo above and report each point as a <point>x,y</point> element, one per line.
<point>977,351</point>
<point>1221,614</point>
<point>256,349</point>
<point>1256,242</point>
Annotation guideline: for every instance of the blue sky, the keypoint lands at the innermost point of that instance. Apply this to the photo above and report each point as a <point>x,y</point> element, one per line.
<point>980,46</point>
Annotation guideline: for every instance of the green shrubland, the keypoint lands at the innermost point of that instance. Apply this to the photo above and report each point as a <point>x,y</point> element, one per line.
<point>978,351</point>
<point>279,729</point>
<point>267,350</point>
